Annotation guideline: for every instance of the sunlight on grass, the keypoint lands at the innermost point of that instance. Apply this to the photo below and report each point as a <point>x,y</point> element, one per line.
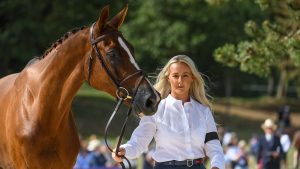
<point>86,90</point>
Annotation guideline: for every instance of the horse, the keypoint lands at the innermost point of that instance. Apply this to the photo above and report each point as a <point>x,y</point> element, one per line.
<point>37,127</point>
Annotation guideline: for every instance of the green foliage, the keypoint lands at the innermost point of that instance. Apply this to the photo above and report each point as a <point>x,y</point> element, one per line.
<point>162,29</point>
<point>274,44</point>
<point>226,55</point>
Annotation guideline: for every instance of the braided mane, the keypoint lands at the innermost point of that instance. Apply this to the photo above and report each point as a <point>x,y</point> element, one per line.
<point>60,40</point>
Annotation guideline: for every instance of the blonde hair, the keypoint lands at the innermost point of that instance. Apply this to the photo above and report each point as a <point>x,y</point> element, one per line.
<point>197,90</point>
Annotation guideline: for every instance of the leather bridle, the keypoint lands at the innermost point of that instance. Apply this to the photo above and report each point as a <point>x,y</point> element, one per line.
<point>118,83</point>
<point>121,92</point>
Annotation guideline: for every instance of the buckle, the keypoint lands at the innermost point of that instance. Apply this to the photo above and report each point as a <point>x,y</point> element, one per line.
<point>189,163</point>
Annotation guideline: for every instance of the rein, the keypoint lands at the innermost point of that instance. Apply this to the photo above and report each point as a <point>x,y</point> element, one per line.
<point>121,92</point>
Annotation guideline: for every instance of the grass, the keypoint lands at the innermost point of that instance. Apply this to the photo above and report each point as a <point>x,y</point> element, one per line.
<point>262,103</point>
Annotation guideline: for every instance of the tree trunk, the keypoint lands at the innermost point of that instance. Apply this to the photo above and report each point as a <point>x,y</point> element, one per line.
<point>282,84</point>
<point>270,88</point>
<point>271,82</point>
<point>228,90</point>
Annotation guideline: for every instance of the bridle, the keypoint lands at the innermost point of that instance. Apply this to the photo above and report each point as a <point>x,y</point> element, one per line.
<point>118,83</point>
<point>121,92</point>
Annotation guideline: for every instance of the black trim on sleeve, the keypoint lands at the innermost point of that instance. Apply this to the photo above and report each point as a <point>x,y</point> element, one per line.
<point>211,136</point>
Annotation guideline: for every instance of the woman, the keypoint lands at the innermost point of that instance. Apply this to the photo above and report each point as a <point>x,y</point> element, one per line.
<point>183,127</point>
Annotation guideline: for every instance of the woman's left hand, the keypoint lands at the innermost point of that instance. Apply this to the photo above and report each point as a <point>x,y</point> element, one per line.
<point>118,157</point>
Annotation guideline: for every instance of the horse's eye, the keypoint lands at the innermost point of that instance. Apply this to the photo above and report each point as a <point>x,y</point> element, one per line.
<point>110,54</point>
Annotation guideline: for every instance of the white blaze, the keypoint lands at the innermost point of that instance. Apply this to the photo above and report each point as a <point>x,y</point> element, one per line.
<point>128,52</point>
<point>134,63</point>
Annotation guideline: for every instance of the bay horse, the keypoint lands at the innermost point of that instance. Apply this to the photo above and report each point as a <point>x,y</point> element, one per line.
<point>37,127</point>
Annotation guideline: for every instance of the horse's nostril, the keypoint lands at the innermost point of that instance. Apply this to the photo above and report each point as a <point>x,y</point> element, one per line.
<point>150,102</point>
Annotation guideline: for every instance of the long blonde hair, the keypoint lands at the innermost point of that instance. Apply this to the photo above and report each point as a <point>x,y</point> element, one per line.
<point>197,90</point>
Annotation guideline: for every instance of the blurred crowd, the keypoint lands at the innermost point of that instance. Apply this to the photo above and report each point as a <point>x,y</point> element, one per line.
<point>266,151</point>
<point>94,154</point>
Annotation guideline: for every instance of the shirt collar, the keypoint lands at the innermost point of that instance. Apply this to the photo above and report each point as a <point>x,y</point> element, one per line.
<point>173,100</point>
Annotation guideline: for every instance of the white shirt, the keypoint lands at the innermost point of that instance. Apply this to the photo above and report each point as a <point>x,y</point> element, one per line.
<point>179,131</point>
<point>285,142</point>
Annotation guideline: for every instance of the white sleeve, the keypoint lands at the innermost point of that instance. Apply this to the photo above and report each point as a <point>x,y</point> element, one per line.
<point>213,146</point>
<point>140,138</point>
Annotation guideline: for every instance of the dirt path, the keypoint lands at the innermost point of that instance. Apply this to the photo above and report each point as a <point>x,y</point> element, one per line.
<point>258,115</point>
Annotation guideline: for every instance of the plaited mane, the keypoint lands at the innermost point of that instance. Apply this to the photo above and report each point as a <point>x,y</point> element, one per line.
<point>60,40</point>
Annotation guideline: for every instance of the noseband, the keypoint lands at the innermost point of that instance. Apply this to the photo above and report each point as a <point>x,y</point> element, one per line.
<point>121,92</point>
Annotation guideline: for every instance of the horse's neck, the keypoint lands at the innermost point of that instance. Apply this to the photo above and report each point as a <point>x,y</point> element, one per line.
<point>60,75</point>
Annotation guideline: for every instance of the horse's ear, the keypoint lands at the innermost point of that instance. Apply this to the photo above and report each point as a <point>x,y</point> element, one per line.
<point>103,18</point>
<point>117,20</point>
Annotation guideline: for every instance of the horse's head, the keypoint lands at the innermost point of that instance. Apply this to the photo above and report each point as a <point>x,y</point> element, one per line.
<point>115,69</point>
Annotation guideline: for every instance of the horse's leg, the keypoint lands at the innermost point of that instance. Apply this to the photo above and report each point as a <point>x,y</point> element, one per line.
<point>68,142</point>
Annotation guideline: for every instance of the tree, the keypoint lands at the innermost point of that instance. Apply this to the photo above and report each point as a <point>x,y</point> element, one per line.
<point>161,29</point>
<point>273,47</point>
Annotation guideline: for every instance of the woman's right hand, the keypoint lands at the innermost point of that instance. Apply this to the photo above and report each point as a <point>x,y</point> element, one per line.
<point>118,158</point>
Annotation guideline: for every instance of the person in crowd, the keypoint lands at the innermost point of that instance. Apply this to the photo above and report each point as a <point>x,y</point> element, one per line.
<point>227,137</point>
<point>286,144</point>
<point>284,120</point>
<point>97,158</point>
<point>93,142</point>
<point>235,156</point>
<point>83,158</point>
<point>253,143</point>
<point>183,126</point>
<point>270,151</point>
<point>243,156</point>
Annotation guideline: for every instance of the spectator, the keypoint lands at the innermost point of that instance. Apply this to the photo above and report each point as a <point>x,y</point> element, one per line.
<point>242,162</point>
<point>269,150</point>
<point>97,158</point>
<point>226,137</point>
<point>284,119</point>
<point>286,144</point>
<point>253,145</point>
<point>83,158</point>
<point>93,142</point>
<point>235,156</point>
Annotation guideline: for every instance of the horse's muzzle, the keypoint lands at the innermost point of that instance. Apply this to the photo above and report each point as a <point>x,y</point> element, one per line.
<point>146,100</point>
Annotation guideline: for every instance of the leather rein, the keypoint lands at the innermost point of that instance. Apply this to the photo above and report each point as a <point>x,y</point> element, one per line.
<point>121,92</point>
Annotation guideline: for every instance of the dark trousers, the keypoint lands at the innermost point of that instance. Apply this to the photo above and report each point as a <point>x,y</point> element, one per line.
<point>161,166</point>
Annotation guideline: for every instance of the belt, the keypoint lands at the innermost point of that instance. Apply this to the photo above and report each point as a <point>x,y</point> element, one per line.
<point>189,162</point>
